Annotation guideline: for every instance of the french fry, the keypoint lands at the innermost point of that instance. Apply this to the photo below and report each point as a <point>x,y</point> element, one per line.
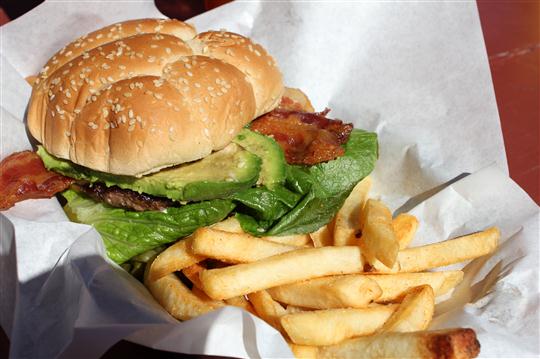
<point>192,273</point>
<point>449,343</point>
<point>414,313</point>
<point>331,326</point>
<point>241,302</point>
<point>175,258</point>
<point>395,286</point>
<point>441,254</point>
<point>297,240</point>
<point>378,239</point>
<point>234,247</point>
<point>285,268</point>
<point>323,236</point>
<point>267,308</point>
<point>354,291</point>
<point>230,224</point>
<point>405,226</point>
<point>294,309</point>
<point>303,351</point>
<point>347,218</point>
<point>178,300</point>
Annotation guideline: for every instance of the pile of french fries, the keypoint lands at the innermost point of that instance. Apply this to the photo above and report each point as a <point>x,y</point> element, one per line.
<point>353,289</point>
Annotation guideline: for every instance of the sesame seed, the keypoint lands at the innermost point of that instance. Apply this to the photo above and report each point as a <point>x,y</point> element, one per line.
<point>67,133</point>
<point>106,126</point>
<point>131,128</point>
<point>77,110</point>
<point>131,122</point>
<point>189,73</point>
<point>257,53</point>
<point>197,85</point>
<point>216,69</point>
<point>109,78</point>
<point>130,113</point>
<point>154,46</point>
<point>132,86</point>
<point>69,53</point>
<point>127,94</point>
<point>99,36</point>
<point>65,102</point>
<point>105,112</point>
<point>168,50</point>
<point>209,88</point>
<point>151,58</point>
<point>68,94</point>
<point>121,67</point>
<point>158,96</point>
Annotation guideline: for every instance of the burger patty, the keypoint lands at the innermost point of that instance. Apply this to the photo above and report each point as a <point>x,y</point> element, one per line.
<point>124,198</point>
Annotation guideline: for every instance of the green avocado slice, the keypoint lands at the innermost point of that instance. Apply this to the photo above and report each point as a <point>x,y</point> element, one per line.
<point>274,166</point>
<point>218,175</point>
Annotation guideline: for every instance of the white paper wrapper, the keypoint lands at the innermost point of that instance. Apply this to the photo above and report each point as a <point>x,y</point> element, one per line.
<point>416,73</point>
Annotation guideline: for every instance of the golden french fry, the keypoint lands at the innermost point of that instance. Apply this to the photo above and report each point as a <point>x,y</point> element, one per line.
<point>441,254</point>
<point>178,300</point>
<point>285,268</point>
<point>354,291</point>
<point>192,273</point>
<point>378,239</point>
<point>395,286</point>
<point>458,343</point>
<point>267,308</point>
<point>230,224</point>
<point>298,240</point>
<point>241,302</point>
<point>294,309</point>
<point>175,258</point>
<point>323,236</point>
<point>234,247</point>
<point>347,221</point>
<point>303,351</point>
<point>405,226</point>
<point>414,313</point>
<point>331,326</point>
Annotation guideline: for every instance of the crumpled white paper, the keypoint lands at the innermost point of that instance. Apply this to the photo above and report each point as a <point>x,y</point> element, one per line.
<point>416,73</point>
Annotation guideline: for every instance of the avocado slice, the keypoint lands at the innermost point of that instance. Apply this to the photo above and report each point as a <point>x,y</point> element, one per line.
<point>274,166</point>
<point>218,175</point>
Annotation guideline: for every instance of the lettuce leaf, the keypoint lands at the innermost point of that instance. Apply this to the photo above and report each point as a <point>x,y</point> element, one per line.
<point>128,233</point>
<point>325,187</point>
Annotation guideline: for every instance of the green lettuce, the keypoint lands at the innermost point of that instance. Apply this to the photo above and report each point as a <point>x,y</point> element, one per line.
<point>128,233</point>
<point>325,187</point>
<point>308,200</point>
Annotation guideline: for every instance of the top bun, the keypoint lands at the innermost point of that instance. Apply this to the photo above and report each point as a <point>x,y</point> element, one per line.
<point>141,95</point>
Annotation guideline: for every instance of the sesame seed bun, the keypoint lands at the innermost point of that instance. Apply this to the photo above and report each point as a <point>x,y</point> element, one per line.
<point>142,95</point>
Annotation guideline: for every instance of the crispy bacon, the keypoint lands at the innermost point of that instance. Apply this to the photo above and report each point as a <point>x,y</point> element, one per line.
<point>306,137</point>
<point>23,176</point>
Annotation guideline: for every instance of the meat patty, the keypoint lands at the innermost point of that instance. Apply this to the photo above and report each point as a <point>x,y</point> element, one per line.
<point>124,198</point>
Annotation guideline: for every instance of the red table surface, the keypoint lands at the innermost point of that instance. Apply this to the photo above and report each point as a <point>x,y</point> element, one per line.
<point>512,36</point>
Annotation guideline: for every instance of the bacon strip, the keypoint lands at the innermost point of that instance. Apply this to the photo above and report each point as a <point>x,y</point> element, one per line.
<point>306,137</point>
<point>23,176</point>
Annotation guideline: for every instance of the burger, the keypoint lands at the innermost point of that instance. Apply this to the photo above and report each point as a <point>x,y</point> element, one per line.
<point>149,131</point>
